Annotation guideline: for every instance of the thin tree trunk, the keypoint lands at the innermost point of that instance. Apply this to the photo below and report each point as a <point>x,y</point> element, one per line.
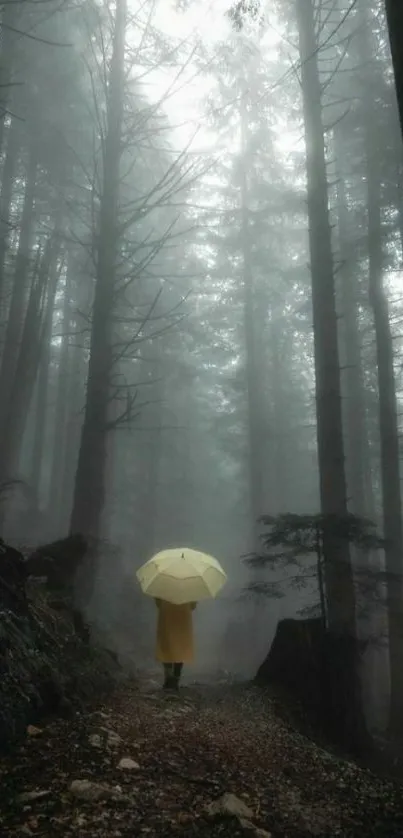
<point>388,424</point>
<point>399,208</point>
<point>28,361</point>
<point>41,411</point>
<point>153,453</point>
<point>40,420</point>
<point>338,572</point>
<point>60,420</point>
<point>340,665</point>
<point>390,454</point>
<point>367,563</point>
<point>15,321</point>
<point>252,383</point>
<point>9,39</point>
<point>355,417</point>
<point>280,486</point>
<point>90,479</point>
<point>7,183</point>
<point>153,479</point>
<point>394,16</point>
<point>70,443</point>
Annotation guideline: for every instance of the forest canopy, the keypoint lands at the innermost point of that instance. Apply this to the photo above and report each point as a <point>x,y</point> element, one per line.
<point>200,269</point>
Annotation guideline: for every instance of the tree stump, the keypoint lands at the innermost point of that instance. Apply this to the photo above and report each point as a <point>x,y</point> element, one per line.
<point>314,666</point>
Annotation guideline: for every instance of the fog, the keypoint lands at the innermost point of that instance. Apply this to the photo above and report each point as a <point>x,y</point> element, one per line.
<point>168,372</point>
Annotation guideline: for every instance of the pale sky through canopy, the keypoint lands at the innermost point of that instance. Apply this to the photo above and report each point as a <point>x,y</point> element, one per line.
<point>205,24</point>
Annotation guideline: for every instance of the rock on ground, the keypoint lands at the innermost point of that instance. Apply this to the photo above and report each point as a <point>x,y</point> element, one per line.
<point>213,763</point>
<point>128,764</point>
<point>229,804</point>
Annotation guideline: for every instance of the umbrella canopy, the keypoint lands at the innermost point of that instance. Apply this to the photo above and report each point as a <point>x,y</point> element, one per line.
<point>181,575</point>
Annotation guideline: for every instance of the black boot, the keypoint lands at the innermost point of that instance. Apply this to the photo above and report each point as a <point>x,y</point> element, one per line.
<point>169,677</point>
<point>177,671</point>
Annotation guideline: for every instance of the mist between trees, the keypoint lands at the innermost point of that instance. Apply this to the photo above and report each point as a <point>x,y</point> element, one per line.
<point>200,311</point>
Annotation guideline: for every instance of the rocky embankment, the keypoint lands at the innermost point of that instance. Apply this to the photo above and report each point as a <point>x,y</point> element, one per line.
<point>47,665</point>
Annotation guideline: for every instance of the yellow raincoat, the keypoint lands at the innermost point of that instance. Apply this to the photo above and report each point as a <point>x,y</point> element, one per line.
<point>174,632</point>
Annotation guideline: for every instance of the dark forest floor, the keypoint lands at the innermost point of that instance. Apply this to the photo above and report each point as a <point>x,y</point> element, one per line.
<point>185,752</point>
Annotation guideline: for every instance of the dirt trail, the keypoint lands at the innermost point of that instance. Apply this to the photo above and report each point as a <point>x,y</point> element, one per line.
<point>147,763</point>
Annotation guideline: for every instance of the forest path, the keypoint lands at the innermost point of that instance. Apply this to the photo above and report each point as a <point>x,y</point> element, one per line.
<point>148,763</point>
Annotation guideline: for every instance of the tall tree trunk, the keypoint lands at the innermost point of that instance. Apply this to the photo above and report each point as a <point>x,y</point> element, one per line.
<point>399,208</point>
<point>390,454</point>
<point>148,502</point>
<point>90,479</point>
<point>339,579</point>
<point>394,16</point>
<point>40,420</point>
<point>367,563</point>
<point>60,420</point>
<point>34,331</point>
<point>9,39</point>
<point>255,442</point>
<point>75,397</point>
<point>15,321</point>
<point>280,485</point>
<point>342,669</point>
<point>7,182</point>
<point>41,407</point>
<point>388,424</point>
<point>354,403</point>
<point>154,465</point>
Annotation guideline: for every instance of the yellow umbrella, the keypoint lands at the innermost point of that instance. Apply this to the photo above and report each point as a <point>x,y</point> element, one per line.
<point>181,575</point>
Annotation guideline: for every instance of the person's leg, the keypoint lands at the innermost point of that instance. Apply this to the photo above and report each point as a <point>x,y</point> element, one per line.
<point>168,675</point>
<point>177,672</point>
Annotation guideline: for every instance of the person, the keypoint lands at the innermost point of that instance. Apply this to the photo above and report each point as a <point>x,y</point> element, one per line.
<point>174,639</point>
